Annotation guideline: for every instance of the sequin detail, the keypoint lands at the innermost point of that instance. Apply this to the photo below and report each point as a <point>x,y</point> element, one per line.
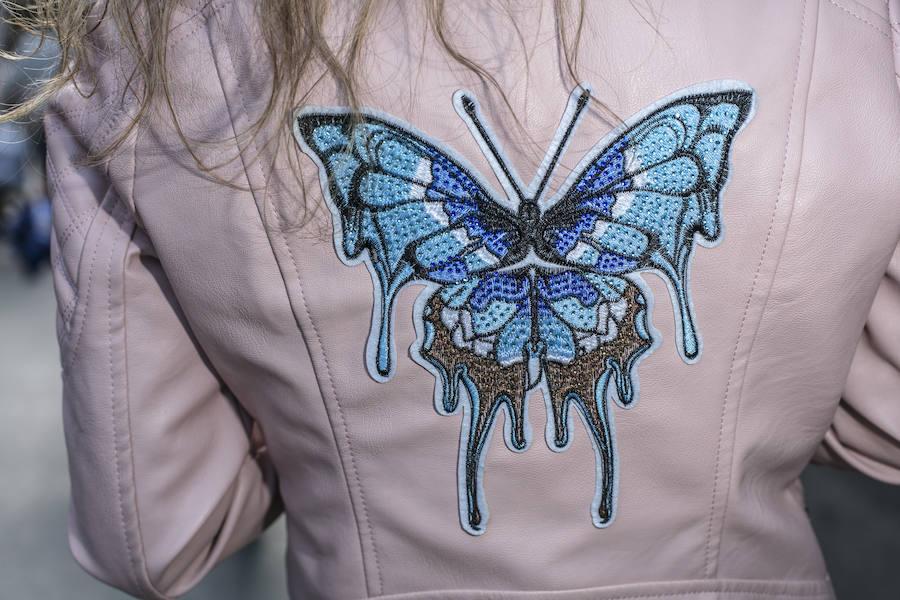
<point>530,292</point>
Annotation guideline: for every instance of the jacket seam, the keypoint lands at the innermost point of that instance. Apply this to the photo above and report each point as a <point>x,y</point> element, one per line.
<point>117,433</point>
<point>59,264</point>
<point>141,558</point>
<point>100,134</point>
<point>895,37</point>
<point>712,553</point>
<point>814,595</point>
<point>340,416</point>
<point>54,177</point>
<point>863,20</point>
<point>814,589</point>
<point>101,131</point>
<point>77,323</point>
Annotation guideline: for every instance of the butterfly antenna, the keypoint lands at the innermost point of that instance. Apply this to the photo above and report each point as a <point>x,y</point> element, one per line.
<point>486,141</point>
<point>562,137</point>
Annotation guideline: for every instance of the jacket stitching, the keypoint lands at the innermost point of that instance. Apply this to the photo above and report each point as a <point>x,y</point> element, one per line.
<point>341,418</point>
<point>74,227</point>
<point>711,555</point>
<point>116,428</point>
<point>862,19</point>
<point>895,37</point>
<point>812,595</point>
<point>60,268</point>
<point>63,238</point>
<point>868,7</point>
<point>54,180</point>
<point>141,559</point>
<point>87,299</point>
<point>59,264</point>
<point>101,131</point>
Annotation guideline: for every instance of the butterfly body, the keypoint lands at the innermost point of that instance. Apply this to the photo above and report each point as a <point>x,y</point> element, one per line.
<point>525,291</point>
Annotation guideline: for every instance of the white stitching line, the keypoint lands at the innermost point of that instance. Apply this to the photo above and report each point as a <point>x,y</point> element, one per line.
<point>815,589</point>
<point>711,565</point>
<point>341,418</point>
<point>883,33</point>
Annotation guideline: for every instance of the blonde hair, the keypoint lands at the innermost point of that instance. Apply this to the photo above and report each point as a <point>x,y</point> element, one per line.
<point>294,37</point>
<point>300,56</point>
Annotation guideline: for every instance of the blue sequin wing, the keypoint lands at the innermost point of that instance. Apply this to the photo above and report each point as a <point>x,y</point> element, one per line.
<point>642,200</point>
<point>412,211</point>
<point>404,200</point>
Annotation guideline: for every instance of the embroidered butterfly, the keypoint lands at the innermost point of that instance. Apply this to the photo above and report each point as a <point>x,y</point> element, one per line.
<point>527,291</point>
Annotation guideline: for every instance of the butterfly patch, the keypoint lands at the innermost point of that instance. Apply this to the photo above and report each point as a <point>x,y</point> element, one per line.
<point>525,289</point>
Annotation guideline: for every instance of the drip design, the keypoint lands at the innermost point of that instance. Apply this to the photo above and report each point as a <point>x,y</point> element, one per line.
<point>528,292</point>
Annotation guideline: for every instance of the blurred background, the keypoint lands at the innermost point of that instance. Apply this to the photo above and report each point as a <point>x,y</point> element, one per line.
<point>857,519</point>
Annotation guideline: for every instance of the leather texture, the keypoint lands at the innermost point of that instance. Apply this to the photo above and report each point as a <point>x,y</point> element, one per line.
<point>193,314</point>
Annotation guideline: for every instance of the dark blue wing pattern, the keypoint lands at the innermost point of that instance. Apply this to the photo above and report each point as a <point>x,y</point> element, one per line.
<point>638,202</point>
<point>523,294</point>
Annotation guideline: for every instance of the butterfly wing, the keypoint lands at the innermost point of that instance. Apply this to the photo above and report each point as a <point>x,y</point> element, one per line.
<point>640,201</point>
<point>498,334</point>
<point>407,207</point>
<point>508,308</point>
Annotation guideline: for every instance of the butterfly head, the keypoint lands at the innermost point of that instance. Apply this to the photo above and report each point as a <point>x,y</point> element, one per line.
<point>527,199</point>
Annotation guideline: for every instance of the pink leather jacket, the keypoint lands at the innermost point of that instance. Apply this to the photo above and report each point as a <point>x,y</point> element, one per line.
<point>228,355</point>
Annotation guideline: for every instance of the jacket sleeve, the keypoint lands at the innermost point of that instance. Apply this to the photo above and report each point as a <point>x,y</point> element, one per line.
<point>865,432</point>
<point>166,476</point>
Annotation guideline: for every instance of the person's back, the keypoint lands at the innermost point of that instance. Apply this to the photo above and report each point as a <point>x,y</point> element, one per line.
<point>336,324</point>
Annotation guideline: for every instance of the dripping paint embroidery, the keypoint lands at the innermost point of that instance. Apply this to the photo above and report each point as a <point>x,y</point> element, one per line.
<point>525,290</point>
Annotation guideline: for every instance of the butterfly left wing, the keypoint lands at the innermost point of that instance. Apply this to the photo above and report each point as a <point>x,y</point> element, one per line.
<point>640,201</point>
<point>413,212</point>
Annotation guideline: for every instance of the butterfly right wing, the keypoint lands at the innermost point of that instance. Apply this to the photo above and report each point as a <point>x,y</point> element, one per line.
<point>406,207</point>
<point>643,200</point>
